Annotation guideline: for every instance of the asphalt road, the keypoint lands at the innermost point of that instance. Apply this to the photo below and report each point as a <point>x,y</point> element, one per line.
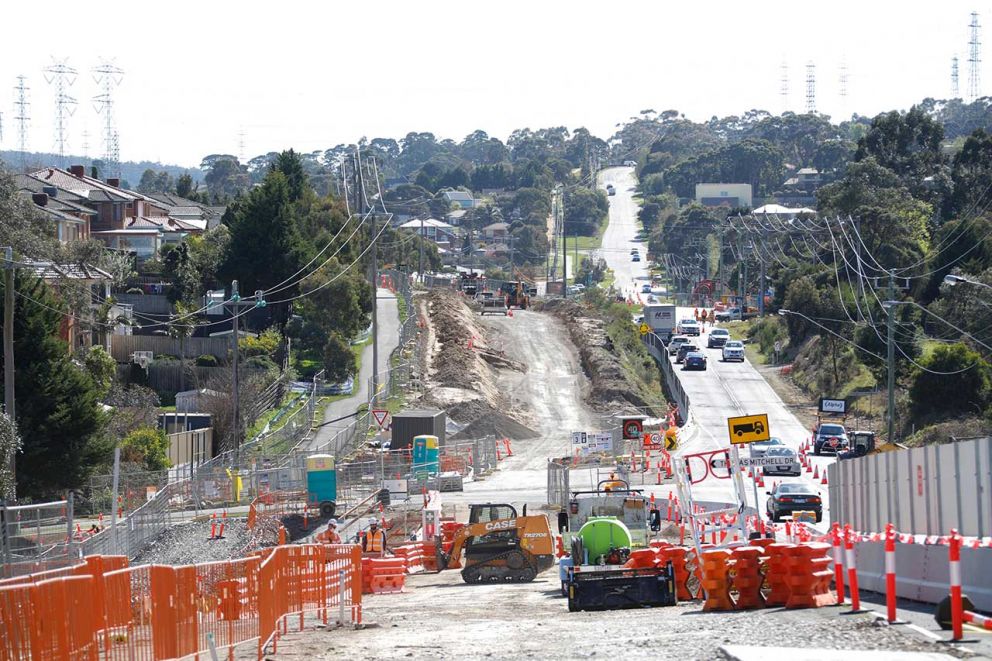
<point>389,337</point>
<point>621,233</point>
<point>724,390</point>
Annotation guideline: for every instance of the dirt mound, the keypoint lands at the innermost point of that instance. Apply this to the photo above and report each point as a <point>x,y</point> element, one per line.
<point>190,543</point>
<point>495,424</point>
<point>612,389</point>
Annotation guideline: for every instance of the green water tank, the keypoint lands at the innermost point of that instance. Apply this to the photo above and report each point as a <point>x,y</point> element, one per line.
<point>599,533</point>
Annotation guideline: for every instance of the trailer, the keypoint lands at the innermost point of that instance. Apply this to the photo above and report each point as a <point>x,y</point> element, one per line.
<point>613,587</point>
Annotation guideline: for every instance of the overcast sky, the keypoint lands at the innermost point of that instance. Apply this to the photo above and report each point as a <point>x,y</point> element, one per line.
<point>310,75</point>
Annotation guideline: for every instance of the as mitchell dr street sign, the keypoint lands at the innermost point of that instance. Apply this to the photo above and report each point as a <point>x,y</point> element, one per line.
<point>766,461</point>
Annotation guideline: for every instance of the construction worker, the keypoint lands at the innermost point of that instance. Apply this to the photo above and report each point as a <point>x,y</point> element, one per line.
<point>374,539</point>
<point>331,535</point>
<point>695,314</point>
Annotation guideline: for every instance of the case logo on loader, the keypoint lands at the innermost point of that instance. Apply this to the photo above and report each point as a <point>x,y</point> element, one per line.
<point>501,525</point>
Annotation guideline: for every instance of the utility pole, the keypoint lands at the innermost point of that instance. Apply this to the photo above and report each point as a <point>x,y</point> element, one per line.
<point>8,351</point>
<point>235,351</point>
<point>564,246</point>
<point>761,290</point>
<point>420,268</point>
<point>373,272</point>
<point>891,346</point>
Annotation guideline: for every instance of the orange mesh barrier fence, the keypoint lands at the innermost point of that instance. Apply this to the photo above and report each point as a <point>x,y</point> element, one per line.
<point>153,612</point>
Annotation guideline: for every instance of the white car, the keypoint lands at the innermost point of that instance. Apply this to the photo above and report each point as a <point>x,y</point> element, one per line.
<point>689,327</point>
<point>733,350</point>
<point>675,343</point>
<point>788,463</point>
<point>759,448</point>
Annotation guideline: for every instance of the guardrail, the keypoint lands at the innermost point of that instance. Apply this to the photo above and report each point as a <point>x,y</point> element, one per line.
<point>659,352</point>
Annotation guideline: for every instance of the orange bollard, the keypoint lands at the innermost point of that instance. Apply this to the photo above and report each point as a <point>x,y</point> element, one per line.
<point>282,535</point>
<point>957,607</point>
<point>306,517</point>
<point>223,521</point>
<point>890,572</point>
<point>213,525</point>
<point>852,571</point>
<point>716,580</point>
<point>747,577</point>
<point>838,564</point>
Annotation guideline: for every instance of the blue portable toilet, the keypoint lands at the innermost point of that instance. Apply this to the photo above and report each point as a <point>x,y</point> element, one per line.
<point>425,454</point>
<point>322,484</point>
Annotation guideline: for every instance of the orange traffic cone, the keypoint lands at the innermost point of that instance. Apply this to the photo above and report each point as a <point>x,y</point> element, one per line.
<point>816,473</point>
<point>824,480</point>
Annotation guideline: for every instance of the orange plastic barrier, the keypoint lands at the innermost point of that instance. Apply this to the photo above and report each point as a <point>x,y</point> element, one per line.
<point>747,577</point>
<point>716,567</point>
<point>809,576</point>
<point>777,576</point>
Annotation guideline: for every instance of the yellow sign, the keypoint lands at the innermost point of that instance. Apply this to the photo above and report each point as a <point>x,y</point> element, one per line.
<point>645,329</point>
<point>671,440</point>
<point>748,429</point>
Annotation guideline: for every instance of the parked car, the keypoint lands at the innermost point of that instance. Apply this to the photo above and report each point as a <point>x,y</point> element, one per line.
<point>610,190</point>
<point>718,337</point>
<point>759,448</point>
<point>343,388</point>
<point>675,343</point>
<point>694,360</point>
<point>789,497</point>
<point>630,164</point>
<point>733,350</point>
<point>645,289</point>
<point>830,437</point>
<point>788,462</point>
<point>689,327</point>
<point>635,258</point>
<point>685,350</point>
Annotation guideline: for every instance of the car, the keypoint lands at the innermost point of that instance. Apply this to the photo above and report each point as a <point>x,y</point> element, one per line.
<point>718,337</point>
<point>343,388</point>
<point>689,327</point>
<point>830,437</point>
<point>675,343</point>
<point>789,464</point>
<point>685,350</point>
<point>733,350</point>
<point>652,299</point>
<point>635,258</point>
<point>645,289</point>
<point>759,448</point>
<point>789,497</point>
<point>730,314</point>
<point>694,360</point>
<point>630,164</point>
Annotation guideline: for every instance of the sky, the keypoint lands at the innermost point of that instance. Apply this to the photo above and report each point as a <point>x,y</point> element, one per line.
<point>250,77</point>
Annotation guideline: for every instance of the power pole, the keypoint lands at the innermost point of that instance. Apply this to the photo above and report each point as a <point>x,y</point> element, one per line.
<point>420,269</point>
<point>8,351</point>
<point>373,273</point>
<point>761,290</point>
<point>974,59</point>
<point>235,351</point>
<point>891,346</point>
<point>564,247</point>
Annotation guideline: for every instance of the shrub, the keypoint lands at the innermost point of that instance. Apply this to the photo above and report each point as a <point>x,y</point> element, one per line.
<point>339,361</point>
<point>260,363</point>
<point>207,360</point>
<point>148,447</point>
<point>266,344</point>
<point>957,382</point>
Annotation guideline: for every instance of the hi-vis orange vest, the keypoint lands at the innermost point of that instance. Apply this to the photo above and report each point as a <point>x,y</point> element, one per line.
<point>375,540</point>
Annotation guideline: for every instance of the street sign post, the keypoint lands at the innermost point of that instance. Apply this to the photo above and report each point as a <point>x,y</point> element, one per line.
<point>748,429</point>
<point>645,329</point>
<point>381,416</point>
<point>761,462</point>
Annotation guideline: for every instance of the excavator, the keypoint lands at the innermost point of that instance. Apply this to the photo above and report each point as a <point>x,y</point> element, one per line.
<point>501,547</point>
<point>516,294</point>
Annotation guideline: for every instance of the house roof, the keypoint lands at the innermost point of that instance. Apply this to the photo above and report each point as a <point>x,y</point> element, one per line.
<point>808,171</point>
<point>162,223</point>
<point>93,189</point>
<point>427,222</point>
<point>35,185</point>
<point>457,213</point>
<point>772,209</point>
<point>51,271</point>
<point>459,195</point>
<point>497,226</point>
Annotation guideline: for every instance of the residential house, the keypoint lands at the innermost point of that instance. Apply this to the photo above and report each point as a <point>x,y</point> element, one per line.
<point>729,195</point>
<point>806,179</point>
<point>459,198</point>
<point>497,233</point>
<point>456,217</point>
<point>205,216</point>
<point>68,211</point>
<point>435,230</point>
<point>784,213</point>
<point>72,329</point>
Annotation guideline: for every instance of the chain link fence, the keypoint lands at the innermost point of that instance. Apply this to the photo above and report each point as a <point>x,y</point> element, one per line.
<point>36,538</point>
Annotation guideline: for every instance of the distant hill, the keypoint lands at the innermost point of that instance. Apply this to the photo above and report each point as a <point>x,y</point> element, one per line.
<point>130,171</point>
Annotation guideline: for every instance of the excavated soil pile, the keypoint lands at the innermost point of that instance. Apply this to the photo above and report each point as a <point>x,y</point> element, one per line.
<point>190,543</point>
<point>611,390</point>
<point>461,370</point>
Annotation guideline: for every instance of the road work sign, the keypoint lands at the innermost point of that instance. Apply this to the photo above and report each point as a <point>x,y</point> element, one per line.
<point>748,429</point>
<point>645,329</point>
<point>766,461</point>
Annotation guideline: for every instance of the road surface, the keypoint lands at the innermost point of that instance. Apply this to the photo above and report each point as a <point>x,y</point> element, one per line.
<point>389,337</point>
<point>725,389</point>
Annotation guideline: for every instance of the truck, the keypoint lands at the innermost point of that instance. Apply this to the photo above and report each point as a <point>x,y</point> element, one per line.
<point>661,319</point>
<point>494,305</point>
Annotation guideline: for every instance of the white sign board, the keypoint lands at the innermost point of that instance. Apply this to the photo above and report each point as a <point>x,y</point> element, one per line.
<point>398,489</point>
<point>767,461</point>
<point>586,442</point>
<point>833,405</point>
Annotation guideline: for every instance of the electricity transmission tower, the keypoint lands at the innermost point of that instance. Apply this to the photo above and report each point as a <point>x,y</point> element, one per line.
<point>974,60</point>
<point>783,88</point>
<point>21,117</point>
<point>955,88</point>
<point>810,88</point>
<point>108,77</point>
<point>61,76</point>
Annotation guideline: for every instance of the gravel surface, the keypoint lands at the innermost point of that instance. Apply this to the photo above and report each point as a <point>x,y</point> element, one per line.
<point>190,543</point>
<point>440,617</point>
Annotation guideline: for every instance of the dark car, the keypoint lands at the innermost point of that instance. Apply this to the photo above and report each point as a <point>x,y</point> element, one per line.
<point>790,497</point>
<point>694,360</point>
<point>684,350</point>
<point>830,437</point>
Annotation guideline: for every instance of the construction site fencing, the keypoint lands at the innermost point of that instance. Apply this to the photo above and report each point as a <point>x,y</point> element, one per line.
<point>558,488</point>
<point>105,610</point>
<point>35,538</point>
<point>129,534</point>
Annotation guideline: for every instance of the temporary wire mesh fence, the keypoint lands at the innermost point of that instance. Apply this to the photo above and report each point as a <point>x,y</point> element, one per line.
<point>34,538</point>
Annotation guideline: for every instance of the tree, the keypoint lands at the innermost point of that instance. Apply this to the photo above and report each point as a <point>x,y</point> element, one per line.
<point>971,175</point>
<point>339,360</point>
<point>225,176</point>
<point>265,247</point>
<point>585,211</point>
<point>102,369</point>
<point>147,447</point>
<point>179,268</point>
<point>184,185</point>
<point>57,402</point>
<point>962,389</point>
<point>10,445</point>
<point>21,227</point>
<point>290,165</point>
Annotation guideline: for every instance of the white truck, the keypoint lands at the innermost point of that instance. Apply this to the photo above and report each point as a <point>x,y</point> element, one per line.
<point>661,318</point>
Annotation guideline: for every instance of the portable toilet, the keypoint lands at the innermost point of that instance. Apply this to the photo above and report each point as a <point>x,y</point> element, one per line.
<point>425,454</point>
<point>322,484</point>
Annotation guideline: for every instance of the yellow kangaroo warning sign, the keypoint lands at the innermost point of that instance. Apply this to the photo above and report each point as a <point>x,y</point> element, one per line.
<point>748,429</point>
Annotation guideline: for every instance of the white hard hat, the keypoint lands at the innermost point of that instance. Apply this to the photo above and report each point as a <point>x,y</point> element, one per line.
<point>333,522</point>
<point>373,522</point>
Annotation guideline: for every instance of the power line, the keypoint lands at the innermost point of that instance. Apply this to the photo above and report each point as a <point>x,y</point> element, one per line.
<point>62,77</point>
